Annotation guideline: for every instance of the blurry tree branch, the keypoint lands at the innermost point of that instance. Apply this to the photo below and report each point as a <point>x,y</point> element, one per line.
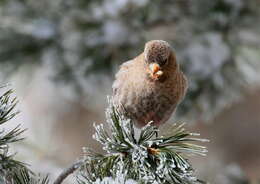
<point>217,42</point>
<point>217,45</point>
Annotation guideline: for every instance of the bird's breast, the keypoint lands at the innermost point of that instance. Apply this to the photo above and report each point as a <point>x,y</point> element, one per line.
<point>147,101</point>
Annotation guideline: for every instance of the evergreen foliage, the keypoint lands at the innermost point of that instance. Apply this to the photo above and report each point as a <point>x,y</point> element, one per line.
<point>11,170</point>
<point>146,160</point>
<point>24,177</point>
<point>7,162</point>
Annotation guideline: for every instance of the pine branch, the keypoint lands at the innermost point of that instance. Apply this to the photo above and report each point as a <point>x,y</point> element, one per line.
<point>146,159</point>
<point>7,105</point>
<point>11,170</point>
<point>22,176</point>
<point>67,172</point>
<point>7,163</point>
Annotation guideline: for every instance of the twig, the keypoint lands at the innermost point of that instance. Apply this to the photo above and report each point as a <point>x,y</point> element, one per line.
<point>67,172</point>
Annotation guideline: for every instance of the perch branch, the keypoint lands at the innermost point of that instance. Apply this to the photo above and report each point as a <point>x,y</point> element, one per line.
<point>67,172</point>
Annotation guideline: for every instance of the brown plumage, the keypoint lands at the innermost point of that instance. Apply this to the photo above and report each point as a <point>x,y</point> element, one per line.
<point>149,87</point>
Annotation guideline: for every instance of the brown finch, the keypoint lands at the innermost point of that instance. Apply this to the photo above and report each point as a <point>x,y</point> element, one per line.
<point>149,87</point>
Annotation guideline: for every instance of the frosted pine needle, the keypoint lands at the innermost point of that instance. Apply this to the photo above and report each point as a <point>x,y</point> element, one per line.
<point>145,160</point>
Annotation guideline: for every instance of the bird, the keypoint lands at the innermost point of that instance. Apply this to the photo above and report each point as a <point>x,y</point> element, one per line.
<point>148,88</point>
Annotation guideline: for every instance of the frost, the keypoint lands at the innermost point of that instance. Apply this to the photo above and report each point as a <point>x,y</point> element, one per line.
<point>117,180</point>
<point>139,154</point>
<point>148,159</point>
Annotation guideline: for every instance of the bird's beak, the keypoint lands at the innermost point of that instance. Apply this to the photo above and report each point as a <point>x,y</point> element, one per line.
<point>155,69</point>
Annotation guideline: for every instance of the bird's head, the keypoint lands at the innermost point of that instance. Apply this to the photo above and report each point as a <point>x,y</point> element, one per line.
<point>158,55</point>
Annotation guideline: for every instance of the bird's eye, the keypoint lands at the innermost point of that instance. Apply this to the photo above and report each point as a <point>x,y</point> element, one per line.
<point>163,62</point>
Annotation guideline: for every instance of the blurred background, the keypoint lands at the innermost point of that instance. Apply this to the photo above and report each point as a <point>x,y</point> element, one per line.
<point>61,56</point>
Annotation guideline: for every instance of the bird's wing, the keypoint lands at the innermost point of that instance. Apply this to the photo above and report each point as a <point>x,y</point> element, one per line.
<point>183,85</point>
<point>121,76</point>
